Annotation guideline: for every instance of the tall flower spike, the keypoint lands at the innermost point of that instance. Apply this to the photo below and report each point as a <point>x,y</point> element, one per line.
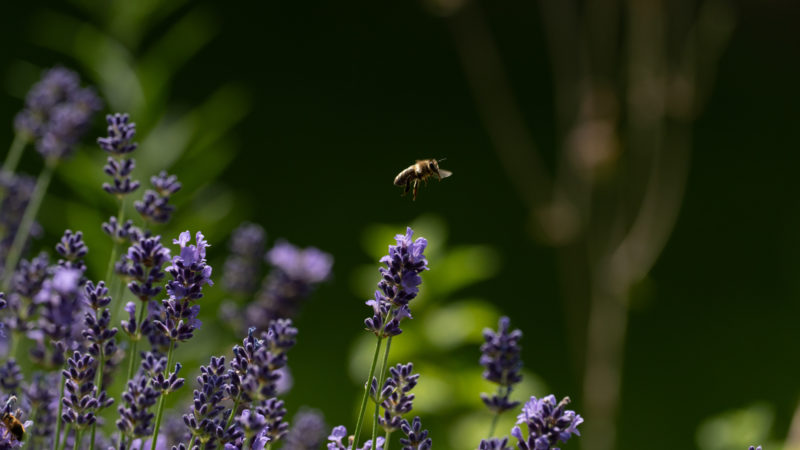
<point>204,421</point>
<point>399,284</point>
<point>10,375</point>
<point>295,273</point>
<point>135,418</point>
<point>118,144</point>
<point>189,269</point>
<point>61,309</point>
<point>81,399</point>
<point>500,357</point>
<point>548,422</point>
<point>255,366</point>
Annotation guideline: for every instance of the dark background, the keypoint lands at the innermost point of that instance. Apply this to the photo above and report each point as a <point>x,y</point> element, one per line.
<point>342,96</point>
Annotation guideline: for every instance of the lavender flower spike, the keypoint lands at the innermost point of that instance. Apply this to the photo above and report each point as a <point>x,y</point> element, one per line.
<point>494,444</point>
<point>547,423</point>
<point>399,284</point>
<point>501,360</point>
<point>189,269</point>
<point>416,437</point>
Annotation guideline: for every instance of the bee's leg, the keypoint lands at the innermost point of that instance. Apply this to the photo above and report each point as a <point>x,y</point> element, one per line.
<point>416,188</point>
<point>408,186</point>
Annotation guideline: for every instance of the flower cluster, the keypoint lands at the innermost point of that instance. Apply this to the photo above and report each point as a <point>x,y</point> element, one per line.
<point>72,249</point>
<point>547,421</point>
<point>60,312</point>
<point>205,421</point>
<point>399,284</point>
<point>394,396</point>
<point>57,113</point>
<point>494,444</point>
<point>154,206</point>
<point>294,275</point>
<point>118,144</point>
<point>243,265</point>
<point>143,263</point>
<point>81,399</point>
<point>501,361</point>
<point>416,438</point>
<point>135,418</point>
<point>190,272</point>
<point>308,431</point>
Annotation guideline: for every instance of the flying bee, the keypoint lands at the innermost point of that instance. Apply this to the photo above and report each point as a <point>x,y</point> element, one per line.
<point>12,424</point>
<point>420,171</point>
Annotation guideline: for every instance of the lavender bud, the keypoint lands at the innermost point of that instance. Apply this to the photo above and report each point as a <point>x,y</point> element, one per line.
<point>494,444</point>
<point>416,437</point>
<point>339,433</point>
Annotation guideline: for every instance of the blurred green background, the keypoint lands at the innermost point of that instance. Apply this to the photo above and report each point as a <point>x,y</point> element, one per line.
<point>297,116</point>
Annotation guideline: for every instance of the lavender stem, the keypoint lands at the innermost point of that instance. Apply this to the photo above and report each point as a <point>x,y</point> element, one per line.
<point>58,415</point>
<point>496,415</point>
<point>135,341</point>
<point>24,229</point>
<point>163,398</point>
<point>381,379</point>
<point>14,153</point>
<point>363,409</point>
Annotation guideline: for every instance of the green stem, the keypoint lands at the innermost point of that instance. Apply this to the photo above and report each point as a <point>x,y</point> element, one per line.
<point>363,409</point>
<point>386,440</point>
<point>191,441</point>
<point>233,411</point>
<point>78,436</point>
<point>380,384</point>
<point>27,221</point>
<point>269,446</point>
<point>116,283</point>
<point>16,336</point>
<point>66,434</point>
<point>135,341</point>
<point>163,398</point>
<point>496,415</point>
<point>14,153</point>
<point>58,416</point>
<point>99,384</point>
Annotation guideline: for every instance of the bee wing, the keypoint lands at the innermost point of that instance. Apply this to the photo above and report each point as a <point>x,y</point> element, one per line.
<point>444,173</point>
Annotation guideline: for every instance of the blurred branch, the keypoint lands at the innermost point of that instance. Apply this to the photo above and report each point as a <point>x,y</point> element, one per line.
<point>499,111</point>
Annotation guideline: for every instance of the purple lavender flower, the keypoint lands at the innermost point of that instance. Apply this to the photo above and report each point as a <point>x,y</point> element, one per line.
<point>165,184</point>
<point>8,440</point>
<point>57,113</point>
<point>10,376</point>
<point>57,85</point>
<point>154,206</point>
<point>72,249</point>
<point>308,431</point>
<point>253,423</point>
<point>340,433</point>
<point>494,444</point>
<point>502,363</point>
<point>120,135</point>
<point>394,395</point>
<point>416,438</point>
<point>30,275</point>
<point>399,284</point>
<point>243,265</point>
<point>81,398</point>
<point>755,448</point>
<point>126,232</point>
<point>61,310</point>
<point>548,422</point>
<point>189,269</point>
<point>145,260</point>
<point>119,143</point>
<point>42,394</point>
<point>101,337</point>
<point>254,368</point>
<point>135,418</point>
<point>204,421</point>
<point>273,412</point>
<point>295,274</point>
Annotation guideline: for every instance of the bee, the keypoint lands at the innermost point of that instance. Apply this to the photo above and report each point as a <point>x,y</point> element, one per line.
<point>420,171</point>
<point>12,424</point>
